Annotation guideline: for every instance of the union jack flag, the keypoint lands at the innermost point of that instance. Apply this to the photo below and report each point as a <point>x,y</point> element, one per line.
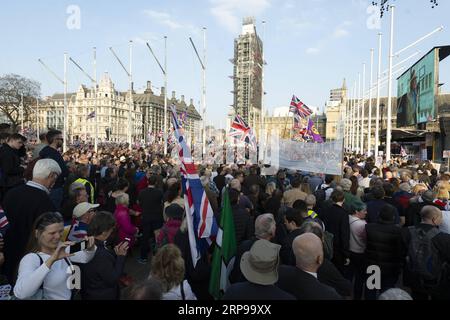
<point>78,231</point>
<point>242,131</point>
<point>202,226</point>
<point>4,224</point>
<point>298,108</point>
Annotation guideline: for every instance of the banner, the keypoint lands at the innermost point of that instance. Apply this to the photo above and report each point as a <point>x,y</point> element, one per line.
<point>311,157</point>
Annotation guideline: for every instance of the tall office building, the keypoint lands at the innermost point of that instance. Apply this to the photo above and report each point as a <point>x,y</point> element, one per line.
<point>248,71</point>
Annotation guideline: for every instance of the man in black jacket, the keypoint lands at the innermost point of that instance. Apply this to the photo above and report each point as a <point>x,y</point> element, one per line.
<point>385,248</point>
<point>100,276</point>
<point>11,172</point>
<point>151,201</point>
<point>336,220</point>
<point>22,206</point>
<point>243,222</point>
<point>301,280</point>
<point>292,220</point>
<point>418,267</point>
<point>55,140</point>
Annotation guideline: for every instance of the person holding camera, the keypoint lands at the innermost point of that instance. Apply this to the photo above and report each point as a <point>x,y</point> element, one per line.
<point>44,271</point>
<point>100,277</point>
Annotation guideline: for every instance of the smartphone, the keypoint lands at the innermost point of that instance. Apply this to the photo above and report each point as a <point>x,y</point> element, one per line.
<point>79,246</point>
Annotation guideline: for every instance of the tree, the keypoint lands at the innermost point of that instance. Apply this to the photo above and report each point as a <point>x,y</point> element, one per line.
<point>12,87</point>
<point>384,5</point>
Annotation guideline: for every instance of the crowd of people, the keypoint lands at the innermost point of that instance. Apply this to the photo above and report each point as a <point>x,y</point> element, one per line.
<point>299,235</point>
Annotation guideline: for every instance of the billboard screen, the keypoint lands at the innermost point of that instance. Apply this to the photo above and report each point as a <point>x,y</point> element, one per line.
<point>416,90</point>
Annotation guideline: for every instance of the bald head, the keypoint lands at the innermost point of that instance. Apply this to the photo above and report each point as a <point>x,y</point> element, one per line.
<point>431,215</point>
<point>308,251</point>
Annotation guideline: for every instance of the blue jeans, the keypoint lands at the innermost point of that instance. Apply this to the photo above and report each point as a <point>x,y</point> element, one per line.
<point>56,195</point>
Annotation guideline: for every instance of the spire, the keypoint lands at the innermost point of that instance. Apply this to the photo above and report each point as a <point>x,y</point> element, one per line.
<point>344,84</point>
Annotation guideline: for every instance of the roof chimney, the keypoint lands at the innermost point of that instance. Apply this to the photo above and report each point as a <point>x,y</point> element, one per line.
<point>191,103</point>
<point>163,91</point>
<point>149,87</point>
<point>173,95</point>
<point>182,98</point>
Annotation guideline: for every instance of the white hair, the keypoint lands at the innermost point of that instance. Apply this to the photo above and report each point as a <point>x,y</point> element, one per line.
<point>44,167</point>
<point>395,294</point>
<point>123,198</point>
<point>265,226</point>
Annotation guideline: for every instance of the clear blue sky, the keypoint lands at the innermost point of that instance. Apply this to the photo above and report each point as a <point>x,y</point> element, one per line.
<point>310,46</point>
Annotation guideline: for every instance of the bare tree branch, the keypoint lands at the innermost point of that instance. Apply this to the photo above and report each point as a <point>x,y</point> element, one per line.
<point>12,87</point>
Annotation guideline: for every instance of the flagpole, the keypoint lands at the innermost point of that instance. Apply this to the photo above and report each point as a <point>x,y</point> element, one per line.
<point>65,104</point>
<point>37,119</point>
<point>131,95</point>
<point>354,118</point>
<point>204,93</point>
<point>350,143</point>
<point>362,107</point>
<point>358,117</point>
<point>377,121</point>
<point>369,134</point>
<point>95,108</point>
<point>389,103</point>
<point>165,95</point>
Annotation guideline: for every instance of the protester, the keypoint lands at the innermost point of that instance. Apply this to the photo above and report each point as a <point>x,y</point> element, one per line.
<point>301,280</point>
<point>168,267</point>
<point>100,276</point>
<point>259,266</point>
<point>55,142</point>
<point>43,271</point>
<point>22,206</point>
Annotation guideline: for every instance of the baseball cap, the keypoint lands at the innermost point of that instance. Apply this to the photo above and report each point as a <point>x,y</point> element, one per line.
<point>82,208</point>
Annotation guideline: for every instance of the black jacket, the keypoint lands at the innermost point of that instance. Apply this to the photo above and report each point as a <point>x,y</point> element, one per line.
<point>303,285</point>
<point>337,222</point>
<point>11,173</point>
<point>22,206</point>
<point>243,224</point>
<point>100,276</point>
<point>328,274</point>
<point>286,253</point>
<point>385,247</point>
<point>236,273</point>
<point>251,291</point>
<point>151,202</point>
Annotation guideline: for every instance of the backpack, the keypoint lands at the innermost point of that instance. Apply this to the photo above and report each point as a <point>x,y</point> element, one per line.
<point>423,260</point>
<point>320,195</point>
<point>328,238</point>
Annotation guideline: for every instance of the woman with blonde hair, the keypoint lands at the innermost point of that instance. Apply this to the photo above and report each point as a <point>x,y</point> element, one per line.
<point>168,267</point>
<point>45,270</point>
<point>419,189</point>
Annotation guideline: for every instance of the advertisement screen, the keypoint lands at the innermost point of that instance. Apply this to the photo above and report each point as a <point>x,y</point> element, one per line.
<point>416,92</point>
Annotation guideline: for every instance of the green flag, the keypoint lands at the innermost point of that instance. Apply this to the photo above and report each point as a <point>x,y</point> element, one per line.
<point>224,252</point>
